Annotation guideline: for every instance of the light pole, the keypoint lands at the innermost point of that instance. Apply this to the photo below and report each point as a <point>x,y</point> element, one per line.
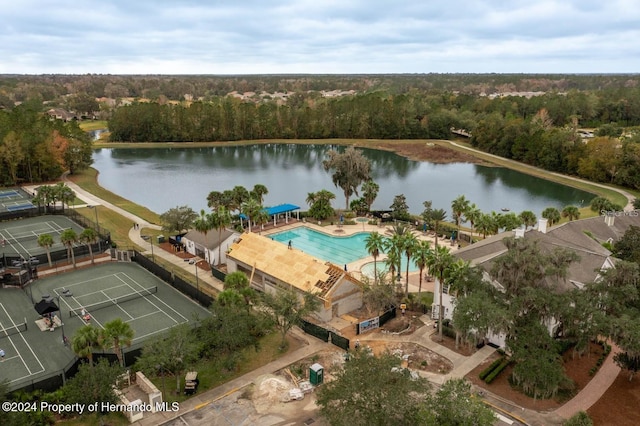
<point>197,284</point>
<point>153,258</point>
<point>95,208</point>
<point>65,293</point>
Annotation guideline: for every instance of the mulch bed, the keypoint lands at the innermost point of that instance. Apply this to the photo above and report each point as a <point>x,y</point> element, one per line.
<point>577,369</point>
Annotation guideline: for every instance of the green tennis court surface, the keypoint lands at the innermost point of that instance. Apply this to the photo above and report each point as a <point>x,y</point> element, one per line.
<point>109,291</point>
<point>21,236</point>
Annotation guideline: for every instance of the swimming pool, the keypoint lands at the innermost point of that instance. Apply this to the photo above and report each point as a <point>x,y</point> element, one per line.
<point>367,268</point>
<point>337,250</point>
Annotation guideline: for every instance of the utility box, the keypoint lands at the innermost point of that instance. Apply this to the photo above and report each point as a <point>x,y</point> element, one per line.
<point>160,239</point>
<point>316,374</point>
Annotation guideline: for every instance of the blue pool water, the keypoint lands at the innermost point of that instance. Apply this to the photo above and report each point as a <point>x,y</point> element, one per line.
<point>337,250</point>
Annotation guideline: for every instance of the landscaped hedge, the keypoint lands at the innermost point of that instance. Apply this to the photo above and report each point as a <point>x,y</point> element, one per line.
<point>448,331</point>
<point>606,350</point>
<point>484,373</point>
<point>497,371</point>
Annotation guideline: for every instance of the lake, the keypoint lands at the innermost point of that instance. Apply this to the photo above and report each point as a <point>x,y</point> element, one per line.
<point>162,178</point>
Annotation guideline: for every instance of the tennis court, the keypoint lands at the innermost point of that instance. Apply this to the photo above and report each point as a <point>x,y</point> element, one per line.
<point>21,236</point>
<point>21,362</point>
<point>119,295</point>
<point>14,199</point>
<point>109,291</point>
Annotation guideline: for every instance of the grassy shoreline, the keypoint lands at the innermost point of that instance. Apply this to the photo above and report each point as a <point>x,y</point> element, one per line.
<point>393,146</point>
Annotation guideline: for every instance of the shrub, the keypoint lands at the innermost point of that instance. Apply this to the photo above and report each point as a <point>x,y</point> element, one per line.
<point>448,331</point>
<point>484,373</point>
<point>497,371</point>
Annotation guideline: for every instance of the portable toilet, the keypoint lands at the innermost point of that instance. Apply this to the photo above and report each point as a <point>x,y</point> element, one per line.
<point>316,371</point>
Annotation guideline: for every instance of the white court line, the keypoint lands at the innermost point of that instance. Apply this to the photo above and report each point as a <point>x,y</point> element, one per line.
<point>113,301</point>
<point>84,282</point>
<point>59,229</point>
<point>153,304</point>
<point>157,298</point>
<point>79,306</point>
<point>42,369</point>
<point>15,350</point>
<point>17,242</point>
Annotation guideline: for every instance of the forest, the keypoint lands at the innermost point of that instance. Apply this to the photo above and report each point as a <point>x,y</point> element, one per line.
<point>535,119</point>
<point>542,131</point>
<point>34,148</point>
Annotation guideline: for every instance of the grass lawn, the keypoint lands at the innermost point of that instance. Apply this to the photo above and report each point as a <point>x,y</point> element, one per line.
<point>612,195</point>
<point>212,372</point>
<point>88,126</point>
<point>88,180</point>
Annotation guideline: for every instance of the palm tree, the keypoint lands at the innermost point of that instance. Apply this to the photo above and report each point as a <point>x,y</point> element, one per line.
<point>45,195</point>
<point>459,206</point>
<point>472,215</point>
<point>396,241</point>
<point>46,241</point>
<point>85,340</point>
<point>528,218</point>
<point>437,216</point>
<point>88,236</point>
<point>258,192</point>
<point>68,237</point>
<point>204,224</point>
<point>117,333</point>
<point>251,209</point>
<point>260,217</point>
<point>215,199</point>
<point>420,256</point>
<point>410,244</point>
<point>392,260</point>
<point>571,212</point>
<point>311,198</point>
<point>375,243</point>
<point>220,220</point>
<point>552,215</point>
<point>240,195</point>
<point>439,262</point>
<point>66,195</point>
<point>370,191</point>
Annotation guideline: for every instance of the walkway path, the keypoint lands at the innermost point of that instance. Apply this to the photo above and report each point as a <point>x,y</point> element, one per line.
<point>629,196</point>
<point>597,386</point>
<point>135,235</point>
<point>199,401</point>
<point>462,365</point>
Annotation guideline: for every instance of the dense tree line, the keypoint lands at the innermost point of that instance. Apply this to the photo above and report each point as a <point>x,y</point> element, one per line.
<point>54,89</point>
<point>510,126</point>
<point>36,149</point>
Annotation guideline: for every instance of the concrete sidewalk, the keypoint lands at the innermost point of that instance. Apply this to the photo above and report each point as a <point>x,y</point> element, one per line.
<point>135,235</point>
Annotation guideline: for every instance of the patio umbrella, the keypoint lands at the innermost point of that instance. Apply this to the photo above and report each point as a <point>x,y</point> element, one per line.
<point>44,307</point>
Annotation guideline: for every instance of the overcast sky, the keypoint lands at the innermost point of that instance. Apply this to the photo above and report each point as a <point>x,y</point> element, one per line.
<point>319,36</point>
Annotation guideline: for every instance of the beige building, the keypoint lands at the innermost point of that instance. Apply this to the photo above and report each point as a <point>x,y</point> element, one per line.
<point>271,265</point>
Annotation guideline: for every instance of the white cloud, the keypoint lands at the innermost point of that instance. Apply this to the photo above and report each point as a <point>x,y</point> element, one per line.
<point>319,36</point>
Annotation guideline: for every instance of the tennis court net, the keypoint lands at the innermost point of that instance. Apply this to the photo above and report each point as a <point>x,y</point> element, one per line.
<point>111,302</point>
<point>5,332</point>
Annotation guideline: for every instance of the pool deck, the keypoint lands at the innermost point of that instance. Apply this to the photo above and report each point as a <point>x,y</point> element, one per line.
<point>346,230</point>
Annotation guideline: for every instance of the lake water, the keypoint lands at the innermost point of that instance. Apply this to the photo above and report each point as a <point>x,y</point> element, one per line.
<point>162,178</point>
